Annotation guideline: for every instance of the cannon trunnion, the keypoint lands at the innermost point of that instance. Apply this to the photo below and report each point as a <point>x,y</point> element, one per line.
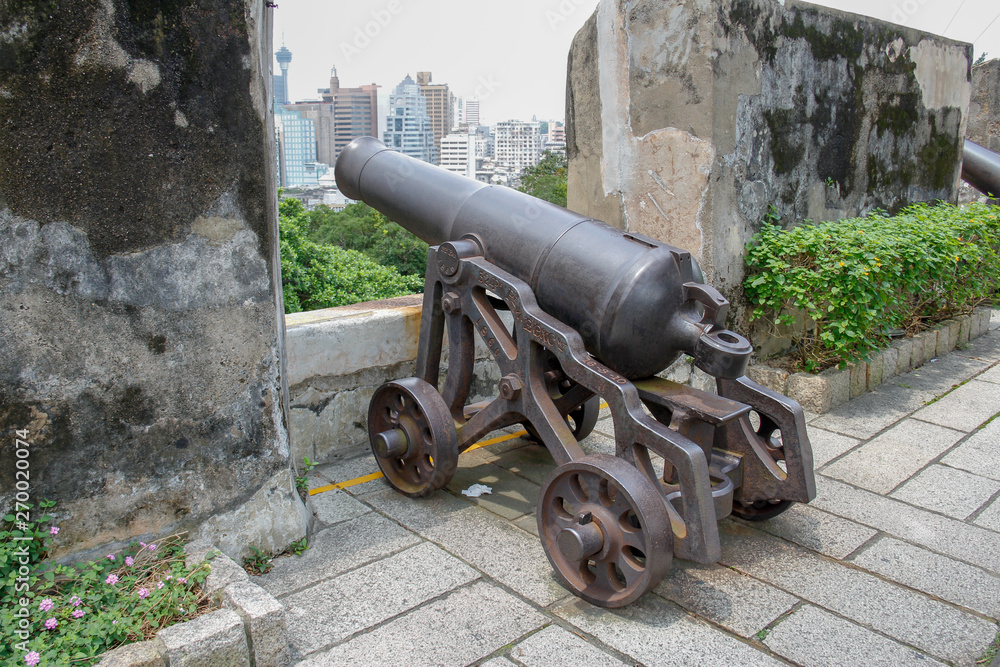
<point>594,313</point>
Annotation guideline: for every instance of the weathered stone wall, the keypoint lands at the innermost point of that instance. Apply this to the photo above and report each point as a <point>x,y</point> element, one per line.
<point>984,108</point>
<point>688,119</point>
<point>139,270</point>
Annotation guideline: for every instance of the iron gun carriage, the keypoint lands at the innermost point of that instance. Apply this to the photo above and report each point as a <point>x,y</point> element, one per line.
<point>595,313</point>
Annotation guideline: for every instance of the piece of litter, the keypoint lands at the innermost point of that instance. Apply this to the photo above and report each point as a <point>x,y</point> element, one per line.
<point>477,490</point>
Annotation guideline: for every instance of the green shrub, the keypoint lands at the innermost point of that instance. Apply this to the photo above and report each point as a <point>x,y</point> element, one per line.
<point>76,612</point>
<point>362,228</point>
<point>856,280</point>
<point>316,276</point>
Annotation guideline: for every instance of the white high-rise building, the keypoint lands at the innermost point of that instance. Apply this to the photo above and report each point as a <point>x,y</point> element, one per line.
<point>458,153</point>
<point>408,125</point>
<point>518,145</point>
<point>471,112</point>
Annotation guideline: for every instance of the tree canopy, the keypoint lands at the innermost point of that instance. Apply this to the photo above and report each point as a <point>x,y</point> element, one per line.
<point>547,179</point>
<point>317,275</point>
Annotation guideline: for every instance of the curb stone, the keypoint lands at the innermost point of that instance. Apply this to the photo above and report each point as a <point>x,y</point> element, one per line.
<point>820,393</point>
<point>249,629</point>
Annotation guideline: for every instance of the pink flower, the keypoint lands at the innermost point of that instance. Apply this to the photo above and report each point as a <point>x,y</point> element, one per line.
<point>142,544</point>
<point>75,601</point>
<point>152,547</point>
<point>46,605</point>
<point>169,577</point>
<point>114,622</point>
<point>159,584</point>
<point>182,580</point>
<point>53,530</point>
<point>51,624</point>
<point>129,561</point>
<point>32,658</point>
<point>78,613</point>
<point>143,593</point>
<point>112,579</point>
<point>111,556</point>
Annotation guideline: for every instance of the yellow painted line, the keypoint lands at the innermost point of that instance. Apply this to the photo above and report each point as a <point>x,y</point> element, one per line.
<point>344,485</point>
<point>378,475</point>
<point>493,441</point>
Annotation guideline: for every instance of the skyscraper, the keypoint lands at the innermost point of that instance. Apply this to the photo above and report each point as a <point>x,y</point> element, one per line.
<point>284,58</point>
<point>342,115</point>
<point>438,106</point>
<point>297,150</point>
<point>408,126</point>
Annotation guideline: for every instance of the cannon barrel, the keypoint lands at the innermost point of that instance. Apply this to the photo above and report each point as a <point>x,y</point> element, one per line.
<point>636,302</point>
<point>981,168</point>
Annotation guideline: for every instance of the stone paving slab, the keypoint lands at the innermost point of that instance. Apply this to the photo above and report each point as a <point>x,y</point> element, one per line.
<point>656,632</point>
<point>991,375</point>
<point>827,445</point>
<point>947,490</point>
<point>345,546</point>
<point>739,603</point>
<point>352,468</point>
<point>984,349</point>
<point>965,408</point>
<point>528,523</point>
<point>990,517</point>
<point>556,647</point>
<point>873,412</point>
<point>533,463</point>
<point>804,638</point>
<point>336,609</point>
<point>332,507</point>
<point>888,460</point>
<point>512,496</point>
<point>916,620</point>
<point>948,579</point>
<point>942,534</point>
<point>820,531</point>
<point>505,553</point>
<point>935,378</point>
<point>597,443</point>
<point>457,629</point>
<point>978,454</point>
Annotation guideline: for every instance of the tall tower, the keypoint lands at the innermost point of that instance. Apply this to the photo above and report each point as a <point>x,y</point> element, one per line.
<point>438,106</point>
<point>284,57</point>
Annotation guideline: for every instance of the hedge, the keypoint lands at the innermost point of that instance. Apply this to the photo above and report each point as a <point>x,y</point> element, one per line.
<point>859,279</point>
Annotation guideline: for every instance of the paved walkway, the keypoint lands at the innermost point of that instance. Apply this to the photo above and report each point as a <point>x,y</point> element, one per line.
<point>896,562</point>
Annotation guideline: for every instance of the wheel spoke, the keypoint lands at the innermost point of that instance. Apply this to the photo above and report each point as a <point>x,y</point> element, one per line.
<point>631,568</point>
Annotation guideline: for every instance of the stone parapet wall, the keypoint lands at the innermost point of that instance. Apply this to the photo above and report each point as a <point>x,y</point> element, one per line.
<point>984,107</point>
<point>338,357</point>
<point>691,121</point>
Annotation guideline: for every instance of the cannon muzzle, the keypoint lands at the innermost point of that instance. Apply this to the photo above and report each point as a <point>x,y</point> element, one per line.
<point>636,302</point>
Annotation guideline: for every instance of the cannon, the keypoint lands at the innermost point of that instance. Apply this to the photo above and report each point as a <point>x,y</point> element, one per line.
<point>573,311</point>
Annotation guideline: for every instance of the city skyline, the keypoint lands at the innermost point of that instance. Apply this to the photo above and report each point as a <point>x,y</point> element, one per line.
<point>512,55</point>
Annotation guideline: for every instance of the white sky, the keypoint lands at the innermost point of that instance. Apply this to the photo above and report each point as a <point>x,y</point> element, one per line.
<point>512,53</point>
